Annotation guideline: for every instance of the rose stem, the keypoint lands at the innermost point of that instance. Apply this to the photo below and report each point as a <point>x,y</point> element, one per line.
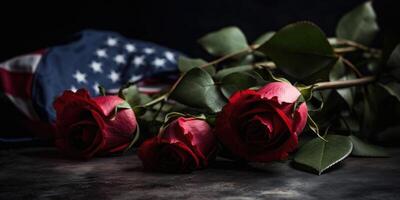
<point>249,49</point>
<point>333,84</point>
<point>246,50</point>
<point>351,46</point>
<point>320,86</point>
<point>266,65</point>
<point>352,67</point>
<point>158,110</point>
<point>344,84</point>
<point>341,50</point>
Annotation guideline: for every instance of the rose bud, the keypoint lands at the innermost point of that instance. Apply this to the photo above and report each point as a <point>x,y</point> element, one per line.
<point>89,126</point>
<point>262,125</point>
<point>184,145</point>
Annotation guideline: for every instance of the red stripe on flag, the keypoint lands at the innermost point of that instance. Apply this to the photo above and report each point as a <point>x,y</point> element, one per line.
<point>17,84</point>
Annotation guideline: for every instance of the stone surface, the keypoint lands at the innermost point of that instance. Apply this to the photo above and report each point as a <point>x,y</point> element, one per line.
<point>41,173</point>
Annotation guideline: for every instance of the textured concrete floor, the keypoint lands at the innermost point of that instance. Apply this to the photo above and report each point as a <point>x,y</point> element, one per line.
<point>41,173</point>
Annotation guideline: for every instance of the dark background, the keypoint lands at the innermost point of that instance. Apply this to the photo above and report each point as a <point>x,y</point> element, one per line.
<point>30,25</point>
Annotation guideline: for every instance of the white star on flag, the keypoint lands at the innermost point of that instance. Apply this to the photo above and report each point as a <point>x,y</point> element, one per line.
<point>170,56</point>
<point>159,62</point>
<point>73,89</point>
<point>96,66</point>
<point>80,77</point>
<point>114,76</point>
<point>112,41</point>
<point>96,88</point>
<point>120,59</point>
<point>101,53</point>
<point>138,60</point>
<point>130,48</point>
<point>148,50</point>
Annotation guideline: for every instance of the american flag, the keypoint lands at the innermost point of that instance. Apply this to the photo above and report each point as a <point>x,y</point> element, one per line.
<point>96,58</point>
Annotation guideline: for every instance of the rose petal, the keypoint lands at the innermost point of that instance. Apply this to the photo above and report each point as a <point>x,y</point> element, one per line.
<point>195,133</point>
<point>257,133</point>
<point>175,132</point>
<point>114,134</point>
<point>286,119</point>
<point>280,92</point>
<point>228,126</point>
<point>149,152</point>
<point>83,93</point>
<point>123,124</point>
<point>118,130</point>
<point>300,118</point>
<point>260,107</point>
<point>176,160</point>
<point>203,139</point>
<point>265,121</point>
<point>107,104</point>
<point>60,102</point>
<point>90,137</point>
<point>247,104</point>
<point>94,148</point>
<point>186,149</point>
<point>72,107</point>
<point>241,103</point>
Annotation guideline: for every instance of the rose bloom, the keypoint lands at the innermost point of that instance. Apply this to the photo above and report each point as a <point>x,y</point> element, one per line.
<point>184,145</point>
<point>262,125</point>
<point>87,126</point>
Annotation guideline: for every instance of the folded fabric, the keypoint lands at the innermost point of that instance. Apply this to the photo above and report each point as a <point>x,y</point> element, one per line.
<point>96,58</point>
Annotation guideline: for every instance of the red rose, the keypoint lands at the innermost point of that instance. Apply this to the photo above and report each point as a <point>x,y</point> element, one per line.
<point>262,125</point>
<point>184,145</point>
<point>87,126</point>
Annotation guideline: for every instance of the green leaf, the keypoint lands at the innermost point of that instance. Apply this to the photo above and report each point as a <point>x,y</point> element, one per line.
<point>211,119</point>
<point>381,111</point>
<point>139,110</point>
<point>319,155</point>
<point>197,89</point>
<point>264,37</point>
<point>393,63</point>
<point>341,72</point>
<point>300,50</point>
<point>372,97</point>
<point>360,148</point>
<point>394,59</point>
<point>316,103</point>
<point>393,89</point>
<point>235,82</point>
<point>185,64</point>
<point>359,24</point>
<point>269,75</point>
<point>131,95</point>
<point>349,123</point>
<point>224,41</point>
<point>306,91</point>
<point>135,99</point>
<point>102,90</point>
<point>224,72</point>
<point>121,106</point>
<point>374,65</point>
<point>134,140</point>
<point>249,59</point>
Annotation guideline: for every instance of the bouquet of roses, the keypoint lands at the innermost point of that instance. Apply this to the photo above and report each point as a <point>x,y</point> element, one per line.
<point>253,103</point>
